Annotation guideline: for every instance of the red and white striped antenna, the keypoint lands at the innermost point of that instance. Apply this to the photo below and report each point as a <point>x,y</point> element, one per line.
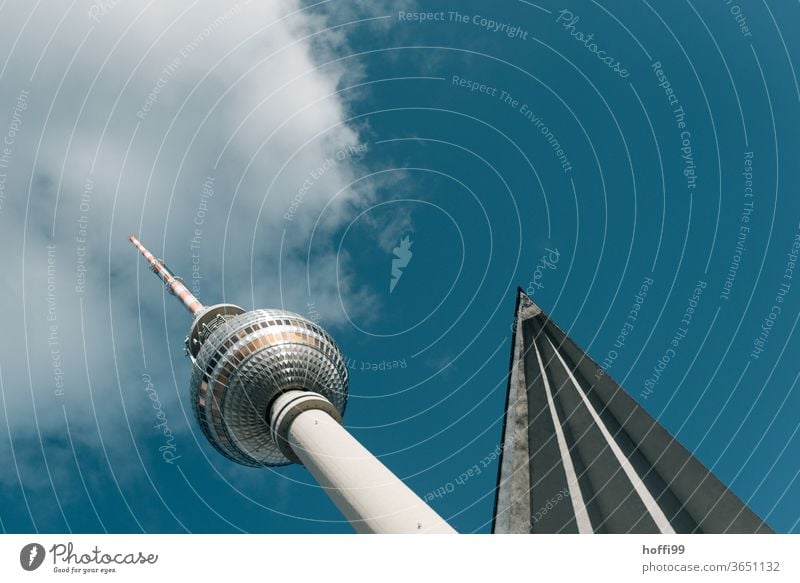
<point>174,283</point>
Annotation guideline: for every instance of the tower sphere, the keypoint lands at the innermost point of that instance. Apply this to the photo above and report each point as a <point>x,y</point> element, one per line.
<point>242,361</point>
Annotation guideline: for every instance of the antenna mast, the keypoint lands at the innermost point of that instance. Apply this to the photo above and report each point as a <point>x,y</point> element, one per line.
<point>174,283</point>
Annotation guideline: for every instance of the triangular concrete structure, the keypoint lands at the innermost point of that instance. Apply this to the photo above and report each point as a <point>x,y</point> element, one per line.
<point>581,456</point>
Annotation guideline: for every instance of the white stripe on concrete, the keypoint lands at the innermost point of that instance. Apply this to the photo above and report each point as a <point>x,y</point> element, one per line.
<point>650,503</point>
<point>578,505</point>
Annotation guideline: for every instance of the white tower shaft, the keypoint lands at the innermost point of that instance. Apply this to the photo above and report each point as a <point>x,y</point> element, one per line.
<point>370,496</point>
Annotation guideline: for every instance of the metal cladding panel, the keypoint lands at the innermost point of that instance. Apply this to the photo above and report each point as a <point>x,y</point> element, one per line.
<point>595,461</point>
<point>247,362</point>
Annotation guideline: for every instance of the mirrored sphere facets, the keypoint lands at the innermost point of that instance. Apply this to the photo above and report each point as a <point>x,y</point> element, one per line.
<point>247,362</point>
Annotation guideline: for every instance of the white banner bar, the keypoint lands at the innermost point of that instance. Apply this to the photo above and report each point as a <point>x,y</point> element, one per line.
<point>373,559</point>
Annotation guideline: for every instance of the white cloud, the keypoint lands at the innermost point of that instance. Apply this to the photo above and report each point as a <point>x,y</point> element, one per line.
<point>238,76</point>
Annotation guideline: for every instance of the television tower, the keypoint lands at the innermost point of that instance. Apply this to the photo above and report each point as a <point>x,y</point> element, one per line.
<point>269,388</point>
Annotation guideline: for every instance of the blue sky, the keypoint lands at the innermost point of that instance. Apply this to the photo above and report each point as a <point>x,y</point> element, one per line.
<point>325,135</point>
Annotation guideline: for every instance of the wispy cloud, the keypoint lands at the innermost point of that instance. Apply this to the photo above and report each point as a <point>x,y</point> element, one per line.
<point>130,110</point>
